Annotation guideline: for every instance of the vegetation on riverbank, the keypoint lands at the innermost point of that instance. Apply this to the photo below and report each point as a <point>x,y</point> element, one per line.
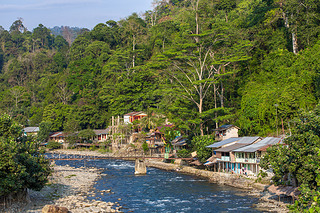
<point>297,161</point>
<point>22,166</point>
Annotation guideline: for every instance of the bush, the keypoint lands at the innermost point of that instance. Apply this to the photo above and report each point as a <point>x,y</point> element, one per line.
<point>104,150</point>
<point>262,174</point>
<point>184,153</point>
<point>93,148</point>
<point>145,147</point>
<point>53,145</point>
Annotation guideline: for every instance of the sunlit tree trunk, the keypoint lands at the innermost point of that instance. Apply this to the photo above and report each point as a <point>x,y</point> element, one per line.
<point>133,49</point>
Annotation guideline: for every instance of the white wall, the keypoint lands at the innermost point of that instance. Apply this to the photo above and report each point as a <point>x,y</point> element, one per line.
<point>231,133</point>
<point>126,119</point>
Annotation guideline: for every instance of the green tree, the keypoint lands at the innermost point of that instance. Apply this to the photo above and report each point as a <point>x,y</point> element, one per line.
<point>199,144</point>
<point>86,134</point>
<point>21,164</point>
<point>44,131</point>
<point>277,92</point>
<point>43,34</point>
<point>296,162</point>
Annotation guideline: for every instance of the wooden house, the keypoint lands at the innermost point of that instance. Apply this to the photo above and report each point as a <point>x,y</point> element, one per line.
<point>179,143</point>
<point>226,131</point>
<point>156,140</point>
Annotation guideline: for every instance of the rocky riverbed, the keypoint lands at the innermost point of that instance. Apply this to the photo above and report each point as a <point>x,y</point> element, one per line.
<point>68,187</point>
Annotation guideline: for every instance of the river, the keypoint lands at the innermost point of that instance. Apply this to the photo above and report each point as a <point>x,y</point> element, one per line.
<point>163,191</point>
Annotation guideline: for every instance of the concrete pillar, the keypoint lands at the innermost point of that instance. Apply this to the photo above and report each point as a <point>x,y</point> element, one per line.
<point>140,167</point>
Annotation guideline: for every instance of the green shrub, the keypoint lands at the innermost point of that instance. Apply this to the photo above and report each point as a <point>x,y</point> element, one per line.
<point>145,147</point>
<point>54,145</point>
<point>184,153</point>
<point>262,174</point>
<point>199,144</point>
<point>104,150</point>
<point>93,148</point>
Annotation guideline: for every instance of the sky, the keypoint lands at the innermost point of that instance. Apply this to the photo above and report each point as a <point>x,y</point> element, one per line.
<point>73,13</point>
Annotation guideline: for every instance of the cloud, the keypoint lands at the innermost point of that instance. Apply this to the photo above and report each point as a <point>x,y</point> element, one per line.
<point>46,4</point>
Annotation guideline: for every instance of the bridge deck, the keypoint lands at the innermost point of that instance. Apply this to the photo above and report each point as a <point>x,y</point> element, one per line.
<point>104,158</point>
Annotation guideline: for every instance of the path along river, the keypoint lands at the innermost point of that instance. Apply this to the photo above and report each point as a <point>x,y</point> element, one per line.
<point>163,191</point>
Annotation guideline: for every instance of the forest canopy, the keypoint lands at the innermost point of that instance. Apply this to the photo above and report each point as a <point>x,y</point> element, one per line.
<point>201,63</point>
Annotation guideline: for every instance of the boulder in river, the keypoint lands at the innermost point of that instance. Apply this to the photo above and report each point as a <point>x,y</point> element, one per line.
<point>140,167</point>
<point>54,209</point>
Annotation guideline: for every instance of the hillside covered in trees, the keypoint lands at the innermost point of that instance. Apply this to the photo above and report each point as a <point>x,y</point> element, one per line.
<point>202,63</point>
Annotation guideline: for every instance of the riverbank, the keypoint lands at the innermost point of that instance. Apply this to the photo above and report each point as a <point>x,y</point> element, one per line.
<point>68,187</point>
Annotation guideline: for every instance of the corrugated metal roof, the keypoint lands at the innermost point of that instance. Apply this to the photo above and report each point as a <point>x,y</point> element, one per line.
<point>226,126</point>
<point>31,129</point>
<point>248,140</point>
<point>244,141</point>
<point>134,113</point>
<point>254,147</point>
<point>224,142</point>
<point>177,139</point>
<point>230,148</point>
<point>180,143</point>
<point>101,131</point>
<point>58,134</point>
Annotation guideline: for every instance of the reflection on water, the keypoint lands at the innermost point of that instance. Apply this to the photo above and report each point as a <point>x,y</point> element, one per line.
<point>163,191</point>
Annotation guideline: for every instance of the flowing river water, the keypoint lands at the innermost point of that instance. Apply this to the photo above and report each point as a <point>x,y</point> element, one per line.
<point>163,191</point>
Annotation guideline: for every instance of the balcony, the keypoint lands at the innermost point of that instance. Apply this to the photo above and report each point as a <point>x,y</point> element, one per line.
<point>225,158</point>
<point>246,160</point>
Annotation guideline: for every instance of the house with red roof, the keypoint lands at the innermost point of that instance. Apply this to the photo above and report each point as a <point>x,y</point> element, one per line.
<point>132,116</point>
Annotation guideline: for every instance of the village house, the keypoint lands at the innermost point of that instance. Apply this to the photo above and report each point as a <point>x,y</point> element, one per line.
<point>101,135</point>
<point>59,137</point>
<point>132,116</point>
<point>225,159</point>
<point>226,131</point>
<point>248,157</point>
<point>156,140</point>
<point>179,143</point>
<point>30,130</point>
<point>217,145</point>
<point>223,143</point>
